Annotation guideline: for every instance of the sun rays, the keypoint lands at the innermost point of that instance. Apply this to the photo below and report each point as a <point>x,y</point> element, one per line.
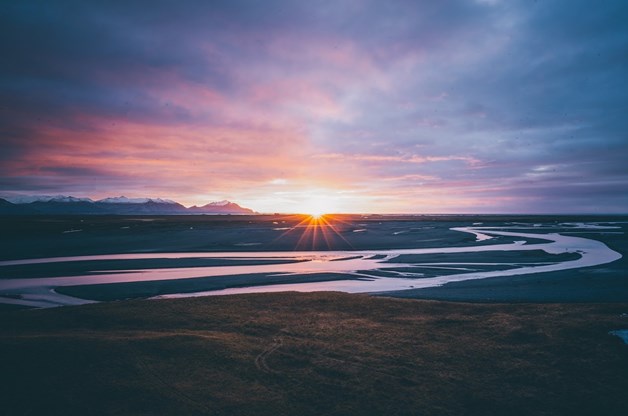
<point>318,231</point>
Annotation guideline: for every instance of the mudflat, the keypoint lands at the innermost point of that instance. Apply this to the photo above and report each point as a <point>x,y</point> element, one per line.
<point>513,350</point>
<point>479,258</point>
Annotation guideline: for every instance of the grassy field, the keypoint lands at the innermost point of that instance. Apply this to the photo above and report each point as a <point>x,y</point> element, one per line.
<point>314,354</point>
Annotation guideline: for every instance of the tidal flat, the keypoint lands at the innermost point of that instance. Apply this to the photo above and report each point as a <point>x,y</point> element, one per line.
<point>52,261</point>
<point>538,304</point>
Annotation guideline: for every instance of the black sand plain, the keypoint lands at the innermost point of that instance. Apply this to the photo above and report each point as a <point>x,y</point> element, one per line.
<point>535,345</point>
<point>50,236</point>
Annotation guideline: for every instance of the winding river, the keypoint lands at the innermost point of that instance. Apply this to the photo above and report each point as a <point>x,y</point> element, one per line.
<point>360,267</point>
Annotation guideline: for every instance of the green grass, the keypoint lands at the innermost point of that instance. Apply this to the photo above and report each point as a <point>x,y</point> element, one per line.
<point>314,354</point>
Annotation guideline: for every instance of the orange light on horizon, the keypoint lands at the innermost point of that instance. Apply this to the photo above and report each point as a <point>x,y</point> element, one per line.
<point>319,203</point>
<point>318,232</point>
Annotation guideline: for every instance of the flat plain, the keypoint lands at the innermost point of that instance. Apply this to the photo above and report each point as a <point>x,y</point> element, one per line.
<point>312,354</point>
<point>531,344</point>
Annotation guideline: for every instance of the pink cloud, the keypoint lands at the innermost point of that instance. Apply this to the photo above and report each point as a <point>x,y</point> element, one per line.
<point>400,159</point>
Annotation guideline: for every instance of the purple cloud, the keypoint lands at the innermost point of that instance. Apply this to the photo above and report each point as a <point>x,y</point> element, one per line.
<point>456,106</point>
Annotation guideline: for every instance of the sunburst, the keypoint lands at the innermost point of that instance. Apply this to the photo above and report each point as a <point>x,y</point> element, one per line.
<point>318,232</point>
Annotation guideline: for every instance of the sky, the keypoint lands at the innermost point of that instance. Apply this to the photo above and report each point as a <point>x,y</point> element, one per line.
<point>434,106</point>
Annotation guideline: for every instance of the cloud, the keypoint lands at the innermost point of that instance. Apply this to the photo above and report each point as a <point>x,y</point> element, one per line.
<point>211,98</point>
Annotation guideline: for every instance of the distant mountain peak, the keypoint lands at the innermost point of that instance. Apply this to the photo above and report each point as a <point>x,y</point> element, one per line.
<point>28,199</point>
<point>121,205</point>
<point>221,207</point>
<point>219,203</point>
<point>125,200</point>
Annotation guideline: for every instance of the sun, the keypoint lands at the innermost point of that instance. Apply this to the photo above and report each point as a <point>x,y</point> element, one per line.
<point>317,207</point>
<point>317,224</point>
<point>315,213</point>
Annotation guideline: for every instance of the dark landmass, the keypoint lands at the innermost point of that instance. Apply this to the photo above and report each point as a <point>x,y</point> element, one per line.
<point>74,235</point>
<point>309,354</point>
<point>11,307</point>
<point>50,236</point>
<point>314,354</point>
<point>519,257</point>
<point>73,206</point>
<point>599,284</point>
<point>44,236</point>
<point>7,208</point>
<point>78,268</point>
<point>224,208</point>
<point>152,288</point>
<point>603,283</point>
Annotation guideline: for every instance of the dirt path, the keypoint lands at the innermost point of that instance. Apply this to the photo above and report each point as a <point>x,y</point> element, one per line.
<point>260,360</point>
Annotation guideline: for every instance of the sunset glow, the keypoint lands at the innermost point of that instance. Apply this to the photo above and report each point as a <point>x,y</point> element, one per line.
<point>319,204</point>
<point>414,107</point>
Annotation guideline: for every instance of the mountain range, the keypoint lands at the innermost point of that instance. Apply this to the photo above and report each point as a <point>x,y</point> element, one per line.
<point>69,205</point>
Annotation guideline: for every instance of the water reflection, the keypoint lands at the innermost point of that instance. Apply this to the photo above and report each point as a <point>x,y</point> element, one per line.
<point>365,270</point>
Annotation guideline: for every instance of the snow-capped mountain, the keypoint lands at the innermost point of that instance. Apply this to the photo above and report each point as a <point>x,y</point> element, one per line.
<point>221,207</point>
<point>141,206</point>
<point>9,208</point>
<point>28,199</point>
<point>69,205</point>
<point>218,203</point>
<point>125,200</point>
